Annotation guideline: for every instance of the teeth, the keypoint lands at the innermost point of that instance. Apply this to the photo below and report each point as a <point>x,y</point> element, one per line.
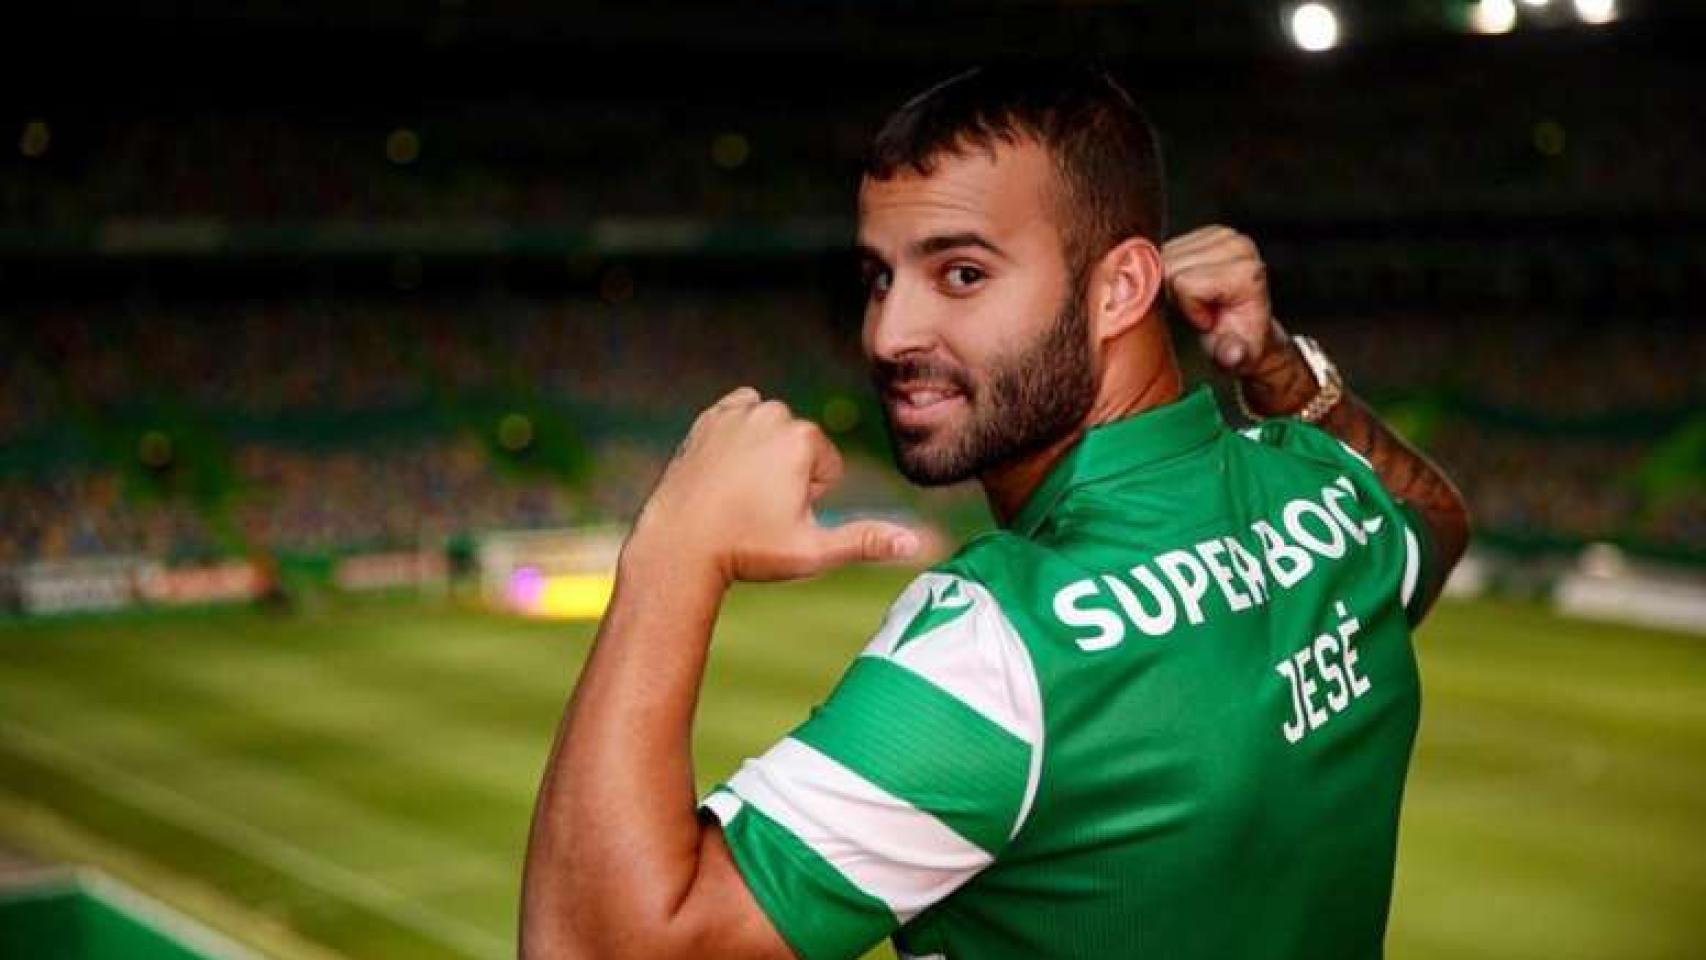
<point>920,397</point>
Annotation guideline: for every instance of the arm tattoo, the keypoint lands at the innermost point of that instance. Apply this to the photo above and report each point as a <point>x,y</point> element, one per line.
<point>1283,383</point>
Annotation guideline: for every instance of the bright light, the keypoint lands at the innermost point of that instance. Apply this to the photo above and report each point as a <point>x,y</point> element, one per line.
<point>1535,3</point>
<point>1596,11</point>
<point>561,596</point>
<point>1492,16</point>
<point>1315,27</point>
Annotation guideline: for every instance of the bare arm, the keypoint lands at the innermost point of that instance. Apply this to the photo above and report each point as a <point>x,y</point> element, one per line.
<point>1219,282</point>
<point>618,862</point>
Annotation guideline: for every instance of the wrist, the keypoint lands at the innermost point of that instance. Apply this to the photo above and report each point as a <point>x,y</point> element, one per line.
<point>657,552</point>
<point>1302,382</point>
<point>1278,353</point>
<point>1280,383</point>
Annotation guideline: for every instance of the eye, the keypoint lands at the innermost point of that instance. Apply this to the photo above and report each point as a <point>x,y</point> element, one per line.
<point>877,280</point>
<point>963,275</point>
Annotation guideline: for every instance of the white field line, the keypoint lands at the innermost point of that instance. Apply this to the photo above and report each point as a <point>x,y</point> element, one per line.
<point>37,883</point>
<point>306,868</point>
<point>162,919</point>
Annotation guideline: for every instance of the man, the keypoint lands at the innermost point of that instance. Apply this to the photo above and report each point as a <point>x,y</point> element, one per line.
<point>1165,711</point>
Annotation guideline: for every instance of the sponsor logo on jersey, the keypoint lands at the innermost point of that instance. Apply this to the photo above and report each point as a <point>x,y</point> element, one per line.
<point>946,602</point>
<point>1241,568</point>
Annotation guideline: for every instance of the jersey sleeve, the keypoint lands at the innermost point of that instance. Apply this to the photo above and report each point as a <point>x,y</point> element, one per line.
<point>904,784</point>
<point>1419,560</point>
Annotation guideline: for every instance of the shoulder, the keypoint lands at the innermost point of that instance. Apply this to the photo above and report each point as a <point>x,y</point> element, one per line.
<point>1286,446</point>
<point>1360,483</point>
<point>970,598</point>
<point>1304,441</point>
<point>948,627</point>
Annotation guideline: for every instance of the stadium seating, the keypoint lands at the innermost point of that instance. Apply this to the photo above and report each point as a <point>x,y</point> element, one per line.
<point>325,425</point>
<point>1556,375</point>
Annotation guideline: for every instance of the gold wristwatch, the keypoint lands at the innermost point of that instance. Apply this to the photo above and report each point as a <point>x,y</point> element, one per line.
<point>1330,387</point>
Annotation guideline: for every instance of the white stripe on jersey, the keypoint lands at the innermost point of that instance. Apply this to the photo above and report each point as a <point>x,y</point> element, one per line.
<point>883,845</point>
<point>1412,566</point>
<point>725,805</point>
<point>1353,451</point>
<point>979,658</point>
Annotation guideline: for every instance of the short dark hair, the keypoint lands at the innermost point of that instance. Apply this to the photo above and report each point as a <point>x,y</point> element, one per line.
<point>1104,147</point>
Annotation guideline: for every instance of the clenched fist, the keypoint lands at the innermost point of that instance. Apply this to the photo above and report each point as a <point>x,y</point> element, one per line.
<point>739,495</point>
<point>1218,281</point>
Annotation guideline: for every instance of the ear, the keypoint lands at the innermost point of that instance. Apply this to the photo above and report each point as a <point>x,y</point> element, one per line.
<point>1124,287</point>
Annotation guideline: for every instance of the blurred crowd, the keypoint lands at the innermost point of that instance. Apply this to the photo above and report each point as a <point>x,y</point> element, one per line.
<point>258,359</point>
<point>283,500</point>
<point>185,425</point>
<point>1542,488</point>
<point>352,424</point>
<point>329,415</point>
<point>1564,370</point>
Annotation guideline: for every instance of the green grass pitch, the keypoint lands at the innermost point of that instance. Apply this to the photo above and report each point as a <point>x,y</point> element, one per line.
<point>356,780</point>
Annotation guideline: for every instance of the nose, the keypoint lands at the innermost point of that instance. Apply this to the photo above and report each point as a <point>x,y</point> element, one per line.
<point>898,324</point>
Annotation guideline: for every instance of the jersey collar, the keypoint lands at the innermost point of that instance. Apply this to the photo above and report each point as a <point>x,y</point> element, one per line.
<point>1147,437</point>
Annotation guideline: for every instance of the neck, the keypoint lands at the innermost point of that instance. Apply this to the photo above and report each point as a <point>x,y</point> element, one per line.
<point>1009,485</point>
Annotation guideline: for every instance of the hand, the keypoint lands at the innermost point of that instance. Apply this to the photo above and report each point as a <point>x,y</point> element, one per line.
<point>1218,281</point>
<point>739,494</point>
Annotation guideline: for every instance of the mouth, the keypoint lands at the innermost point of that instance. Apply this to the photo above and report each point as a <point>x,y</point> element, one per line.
<point>919,406</point>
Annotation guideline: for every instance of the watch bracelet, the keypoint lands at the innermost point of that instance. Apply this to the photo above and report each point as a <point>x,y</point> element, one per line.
<point>1327,396</point>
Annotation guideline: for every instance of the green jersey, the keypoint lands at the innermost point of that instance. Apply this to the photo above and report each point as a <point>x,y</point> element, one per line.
<point>1166,713</point>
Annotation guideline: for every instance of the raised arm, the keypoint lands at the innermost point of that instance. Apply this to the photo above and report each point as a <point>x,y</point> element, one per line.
<point>1219,283</point>
<point>618,862</point>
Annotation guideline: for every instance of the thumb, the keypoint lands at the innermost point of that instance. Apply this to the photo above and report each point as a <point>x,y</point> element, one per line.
<point>865,541</point>
<point>1228,350</point>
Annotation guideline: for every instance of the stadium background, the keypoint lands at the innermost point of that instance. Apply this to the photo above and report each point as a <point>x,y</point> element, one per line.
<point>306,307</point>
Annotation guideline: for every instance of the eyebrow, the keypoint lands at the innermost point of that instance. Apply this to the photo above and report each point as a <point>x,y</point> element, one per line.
<point>938,243</point>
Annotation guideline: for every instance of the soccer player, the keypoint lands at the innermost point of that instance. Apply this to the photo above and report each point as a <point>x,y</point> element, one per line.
<point>1165,710</point>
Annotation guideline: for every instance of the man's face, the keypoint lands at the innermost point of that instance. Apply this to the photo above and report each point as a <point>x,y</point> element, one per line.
<point>974,328</point>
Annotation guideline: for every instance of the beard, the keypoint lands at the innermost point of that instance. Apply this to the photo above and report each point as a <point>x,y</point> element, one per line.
<point>1029,399</point>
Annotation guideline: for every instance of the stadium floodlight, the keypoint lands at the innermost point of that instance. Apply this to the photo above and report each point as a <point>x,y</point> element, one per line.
<point>1314,27</point>
<point>1596,11</point>
<point>1493,16</point>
